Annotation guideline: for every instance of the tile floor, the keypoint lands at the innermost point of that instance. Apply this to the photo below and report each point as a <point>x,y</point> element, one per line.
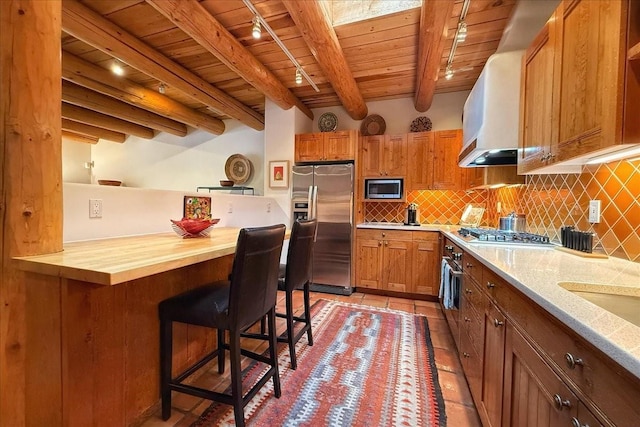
<point>459,406</point>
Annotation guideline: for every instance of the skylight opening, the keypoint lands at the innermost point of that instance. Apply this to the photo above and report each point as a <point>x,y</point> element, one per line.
<point>342,12</point>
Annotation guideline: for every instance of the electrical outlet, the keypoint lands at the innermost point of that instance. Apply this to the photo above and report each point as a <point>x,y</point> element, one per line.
<point>498,207</point>
<point>594,211</point>
<point>95,208</point>
<point>230,208</point>
<point>268,207</point>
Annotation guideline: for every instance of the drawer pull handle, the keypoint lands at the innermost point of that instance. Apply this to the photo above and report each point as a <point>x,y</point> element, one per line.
<point>469,265</point>
<point>576,423</point>
<point>465,354</point>
<point>561,404</point>
<point>572,361</point>
<point>497,322</point>
<point>448,248</point>
<point>466,319</point>
<point>469,291</point>
<point>491,285</point>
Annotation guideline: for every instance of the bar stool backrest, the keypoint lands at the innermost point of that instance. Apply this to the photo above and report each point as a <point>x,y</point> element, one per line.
<point>298,271</point>
<point>254,280</point>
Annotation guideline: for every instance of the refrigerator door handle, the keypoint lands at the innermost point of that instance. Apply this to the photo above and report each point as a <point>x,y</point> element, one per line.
<point>314,205</point>
<point>310,203</point>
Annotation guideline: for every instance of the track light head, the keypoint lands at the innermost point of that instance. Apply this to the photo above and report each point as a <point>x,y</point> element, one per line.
<point>162,88</point>
<point>256,31</point>
<point>462,32</point>
<point>448,74</point>
<point>298,76</point>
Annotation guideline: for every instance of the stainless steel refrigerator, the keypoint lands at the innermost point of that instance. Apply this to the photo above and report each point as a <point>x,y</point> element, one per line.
<point>325,192</point>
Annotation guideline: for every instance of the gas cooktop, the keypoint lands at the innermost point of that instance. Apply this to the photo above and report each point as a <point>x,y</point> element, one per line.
<point>489,235</point>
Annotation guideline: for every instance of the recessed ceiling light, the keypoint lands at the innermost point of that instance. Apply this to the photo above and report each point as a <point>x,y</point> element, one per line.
<point>117,69</point>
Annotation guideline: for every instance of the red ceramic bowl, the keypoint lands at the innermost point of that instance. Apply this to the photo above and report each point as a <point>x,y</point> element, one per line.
<point>194,227</point>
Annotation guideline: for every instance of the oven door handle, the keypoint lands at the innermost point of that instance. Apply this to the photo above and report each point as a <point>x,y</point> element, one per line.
<point>454,272</point>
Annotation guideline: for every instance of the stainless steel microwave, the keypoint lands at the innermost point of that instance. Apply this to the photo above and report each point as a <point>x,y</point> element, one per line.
<point>385,189</point>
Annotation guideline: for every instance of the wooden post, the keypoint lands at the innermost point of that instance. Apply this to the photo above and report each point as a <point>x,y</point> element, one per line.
<point>31,211</point>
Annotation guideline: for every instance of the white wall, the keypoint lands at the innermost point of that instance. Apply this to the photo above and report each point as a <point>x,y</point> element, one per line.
<point>445,113</point>
<point>74,156</point>
<point>134,211</point>
<point>169,162</point>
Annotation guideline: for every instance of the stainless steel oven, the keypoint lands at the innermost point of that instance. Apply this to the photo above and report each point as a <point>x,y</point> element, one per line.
<point>451,282</point>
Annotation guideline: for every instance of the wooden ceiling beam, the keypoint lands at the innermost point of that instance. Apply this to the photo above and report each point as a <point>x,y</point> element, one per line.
<point>78,95</point>
<point>96,78</point>
<point>433,33</point>
<point>85,129</point>
<point>325,47</point>
<point>82,115</point>
<point>192,18</point>
<point>90,27</point>
<point>78,137</point>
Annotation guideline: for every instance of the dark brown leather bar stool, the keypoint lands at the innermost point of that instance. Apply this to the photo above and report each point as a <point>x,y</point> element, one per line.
<point>296,275</point>
<point>228,306</point>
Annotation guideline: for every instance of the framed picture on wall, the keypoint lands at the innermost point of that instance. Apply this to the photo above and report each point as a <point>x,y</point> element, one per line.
<point>279,174</point>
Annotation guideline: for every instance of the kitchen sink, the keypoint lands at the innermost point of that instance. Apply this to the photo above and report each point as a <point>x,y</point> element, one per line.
<point>621,301</point>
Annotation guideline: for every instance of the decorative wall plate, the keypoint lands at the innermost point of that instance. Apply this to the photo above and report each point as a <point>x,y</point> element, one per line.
<point>327,122</point>
<point>373,125</point>
<point>421,124</point>
<point>238,168</point>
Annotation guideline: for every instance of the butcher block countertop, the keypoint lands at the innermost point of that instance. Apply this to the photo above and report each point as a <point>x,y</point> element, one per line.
<point>121,259</point>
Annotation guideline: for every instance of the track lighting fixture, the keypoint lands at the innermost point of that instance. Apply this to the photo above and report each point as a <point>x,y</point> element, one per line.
<point>162,88</point>
<point>462,32</point>
<point>116,68</point>
<point>448,74</point>
<point>259,21</point>
<point>256,31</point>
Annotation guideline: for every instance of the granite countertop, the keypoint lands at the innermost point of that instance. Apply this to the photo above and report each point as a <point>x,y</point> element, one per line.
<point>537,272</point>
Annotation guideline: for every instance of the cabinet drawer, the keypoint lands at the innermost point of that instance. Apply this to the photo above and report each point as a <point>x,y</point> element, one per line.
<point>596,378</point>
<point>377,234</point>
<point>471,365</point>
<point>473,326</point>
<point>472,267</point>
<point>476,298</point>
<point>425,236</point>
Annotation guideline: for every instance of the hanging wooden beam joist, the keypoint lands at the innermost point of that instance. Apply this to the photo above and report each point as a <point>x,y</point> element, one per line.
<point>79,137</point>
<point>77,95</point>
<point>90,27</point>
<point>325,47</point>
<point>82,115</point>
<point>434,18</point>
<point>84,129</point>
<point>96,78</point>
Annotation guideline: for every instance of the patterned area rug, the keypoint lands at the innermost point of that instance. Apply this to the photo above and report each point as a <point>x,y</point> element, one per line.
<point>367,367</point>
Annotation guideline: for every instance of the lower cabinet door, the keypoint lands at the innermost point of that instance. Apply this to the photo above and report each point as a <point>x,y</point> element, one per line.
<point>534,396</point>
<point>493,361</point>
<point>369,263</point>
<point>426,264</point>
<point>397,265</point>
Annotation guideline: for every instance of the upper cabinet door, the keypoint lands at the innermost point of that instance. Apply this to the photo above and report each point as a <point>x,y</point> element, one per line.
<point>394,155</point>
<point>308,147</point>
<point>589,72</point>
<point>447,175</point>
<point>370,155</point>
<point>339,145</point>
<point>536,102</point>
<point>420,153</point>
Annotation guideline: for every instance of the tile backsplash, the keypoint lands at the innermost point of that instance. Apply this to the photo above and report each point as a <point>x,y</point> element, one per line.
<point>549,201</point>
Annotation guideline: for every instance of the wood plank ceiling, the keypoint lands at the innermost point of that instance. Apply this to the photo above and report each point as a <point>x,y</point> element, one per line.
<point>201,89</point>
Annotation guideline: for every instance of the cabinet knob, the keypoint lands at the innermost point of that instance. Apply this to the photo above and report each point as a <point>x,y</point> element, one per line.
<point>448,248</point>
<point>469,265</point>
<point>466,319</point>
<point>465,354</point>
<point>576,423</point>
<point>469,291</point>
<point>572,361</point>
<point>497,322</point>
<point>379,242</point>
<point>561,404</point>
<point>386,243</point>
<point>490,285</point>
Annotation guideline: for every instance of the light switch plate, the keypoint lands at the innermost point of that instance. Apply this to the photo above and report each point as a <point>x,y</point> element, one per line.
<point>594,211</point>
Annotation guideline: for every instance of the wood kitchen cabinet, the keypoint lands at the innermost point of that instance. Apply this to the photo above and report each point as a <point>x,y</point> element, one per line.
<point>384,260</point>
<point>384,155</point>
<point>534,369</point>
<point>426,259</point>
<point>573,88</point>
<point>325,146</point>
<point>398,261</point>
<point>433,161</point>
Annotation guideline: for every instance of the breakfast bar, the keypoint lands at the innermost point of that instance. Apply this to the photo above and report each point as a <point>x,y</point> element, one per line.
<point>107,297</point>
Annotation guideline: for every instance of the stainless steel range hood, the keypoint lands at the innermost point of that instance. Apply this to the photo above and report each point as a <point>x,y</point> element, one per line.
<point>491,113</point>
